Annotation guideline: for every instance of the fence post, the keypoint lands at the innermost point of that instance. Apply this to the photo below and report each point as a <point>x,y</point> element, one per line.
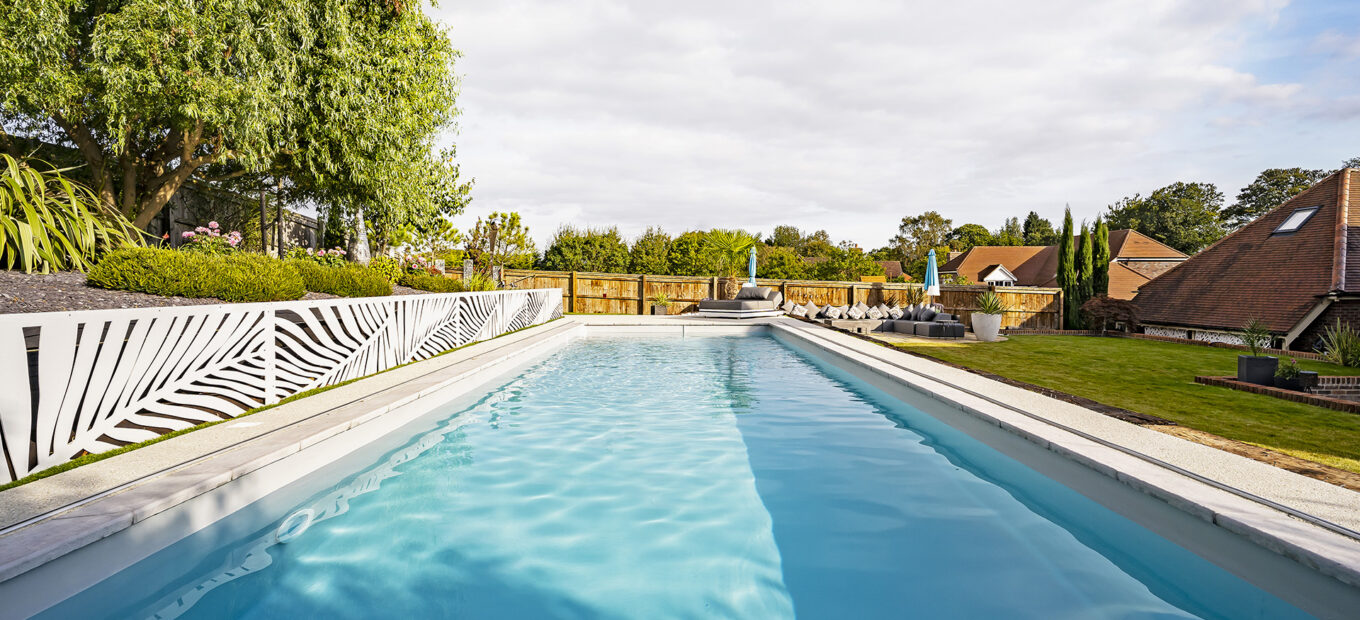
<point>642,293</point>
<point>713,288</point>
<point>572,292</point>
<point>784,290</point>
<point>271,357</point>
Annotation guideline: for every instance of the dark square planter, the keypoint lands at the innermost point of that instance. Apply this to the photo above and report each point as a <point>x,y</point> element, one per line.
<point>661,310</point>
<point>1306,380</point>
<point>1258,369</point>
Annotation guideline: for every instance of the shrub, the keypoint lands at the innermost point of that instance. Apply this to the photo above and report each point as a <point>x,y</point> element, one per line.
<point>1288,370</point>
<point>210,240</point>
<point>345,280</point>
<point>1341,344</point>
<point>990,303</point>
<point>441,284</point>
<point>1256,336</point>
<point>661,299</point>
<point>385,266</point>
<point>230,277</point>
<point>334,257</point>
<point>47,222</point>
<point>1102,311</point>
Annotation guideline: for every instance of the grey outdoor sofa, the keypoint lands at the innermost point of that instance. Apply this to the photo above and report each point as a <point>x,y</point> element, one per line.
<point>751,302</point>
<point>927,321</point>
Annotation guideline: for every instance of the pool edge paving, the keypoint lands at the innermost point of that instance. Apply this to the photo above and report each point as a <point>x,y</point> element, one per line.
<point>130,487</point>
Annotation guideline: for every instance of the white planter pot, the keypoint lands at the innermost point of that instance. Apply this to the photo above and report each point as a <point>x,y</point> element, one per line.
<point>986,326</point>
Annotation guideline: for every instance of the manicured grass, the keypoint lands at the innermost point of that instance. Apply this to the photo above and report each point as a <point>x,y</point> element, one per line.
<point>1157,378</point>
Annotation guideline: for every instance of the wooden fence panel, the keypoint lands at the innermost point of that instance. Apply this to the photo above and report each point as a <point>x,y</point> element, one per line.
<point>613,293</point>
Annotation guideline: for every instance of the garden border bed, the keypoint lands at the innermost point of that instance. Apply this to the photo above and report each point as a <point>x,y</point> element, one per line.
<point>1328,402</point>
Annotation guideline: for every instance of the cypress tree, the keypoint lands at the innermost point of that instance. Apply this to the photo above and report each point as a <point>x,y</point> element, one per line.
<point>1067,271</point>
<point>1100,259</point>
<point>1085,272</point>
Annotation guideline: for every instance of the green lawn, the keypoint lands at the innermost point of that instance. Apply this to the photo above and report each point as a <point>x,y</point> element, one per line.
<point>1157,378</point>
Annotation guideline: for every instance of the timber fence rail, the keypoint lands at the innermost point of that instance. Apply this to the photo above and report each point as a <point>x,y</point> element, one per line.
<point>90,381</point>
<point>618,293</point>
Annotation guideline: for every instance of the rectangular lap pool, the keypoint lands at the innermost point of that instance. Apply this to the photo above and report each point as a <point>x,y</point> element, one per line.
<point>666,477</point>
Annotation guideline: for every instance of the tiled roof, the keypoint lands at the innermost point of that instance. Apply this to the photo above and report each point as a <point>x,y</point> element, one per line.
<point>1128,243</point>
<point>1124,282</point>
<point>1027,262</point>
<point>1255,274</point>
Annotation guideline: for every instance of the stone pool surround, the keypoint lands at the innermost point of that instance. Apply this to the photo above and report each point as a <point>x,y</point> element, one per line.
<point>52,517</point>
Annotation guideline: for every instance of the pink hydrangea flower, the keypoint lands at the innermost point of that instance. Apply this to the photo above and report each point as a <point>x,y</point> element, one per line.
<point>188,234</point>
<point>201,229</point>
<point>212,224</point>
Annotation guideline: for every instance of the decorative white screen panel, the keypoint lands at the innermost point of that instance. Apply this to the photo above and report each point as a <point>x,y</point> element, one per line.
<point>79,382</point>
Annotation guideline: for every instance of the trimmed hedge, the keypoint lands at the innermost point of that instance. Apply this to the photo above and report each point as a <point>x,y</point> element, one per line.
<point>229,277</point>
<point>348,280</point>
<point>442,284</point>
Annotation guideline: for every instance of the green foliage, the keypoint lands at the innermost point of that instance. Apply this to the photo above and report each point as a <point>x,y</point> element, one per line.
<point>780,263</point>
<point>1288,370</point>
<point>914,296</point>
<point>342,99</point>
<point>686,257</point>
<point>441,284</point>
<point>1270,189</point>
<point>1341,345</point>
<point>334,236</point>
<point>1184,216</point>
<point>728,251</point>
<point>598,250</point>
<point>1011,233</point>
<point>1067,274</point>
<point>846,265</point>
<point>650,253</point>
<point>1100,259</point>
<point>333,257</point>
<point>387,267</point>
<point>210,240</point>
<point>513,247</point>
<point>1256,336</point>
<point>917,235</point>
<point>1085,267</point>
<point>229,277</point>
<point>968,236</point>
<point>785,237</point>
<point>917,268</point>
<point>661,299</point>
<point>1353,162</point>
<point>1038,231</point>
<point>345,280</point>
<point>990,303</point>
<point>49,222</point>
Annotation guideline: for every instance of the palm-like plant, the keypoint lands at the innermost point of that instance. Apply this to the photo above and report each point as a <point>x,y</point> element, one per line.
<point>48,222</point>
<point>728,252</point>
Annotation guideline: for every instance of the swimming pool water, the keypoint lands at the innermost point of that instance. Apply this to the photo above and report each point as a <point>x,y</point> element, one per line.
<point>663,477</point>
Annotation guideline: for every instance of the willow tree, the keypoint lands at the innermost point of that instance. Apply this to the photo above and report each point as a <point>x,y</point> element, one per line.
<point>338,99</point>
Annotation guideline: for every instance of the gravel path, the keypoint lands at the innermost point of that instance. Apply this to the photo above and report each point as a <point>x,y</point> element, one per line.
<point>66,291</point>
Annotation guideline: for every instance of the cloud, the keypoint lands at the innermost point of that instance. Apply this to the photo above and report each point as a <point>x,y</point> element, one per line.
<point>849,115</point>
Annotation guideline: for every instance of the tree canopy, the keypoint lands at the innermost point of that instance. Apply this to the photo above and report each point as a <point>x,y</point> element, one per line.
<point>337,101</point>
<point>650,252</point>
<point>1038,231</point>
<point>967,236</point>
<point>916,235</point>
<point>601,250</point>
<point>1184,216</point>
<point>1270,189</point>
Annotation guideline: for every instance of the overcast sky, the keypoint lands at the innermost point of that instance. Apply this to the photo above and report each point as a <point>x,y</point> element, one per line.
<point>849,114</point>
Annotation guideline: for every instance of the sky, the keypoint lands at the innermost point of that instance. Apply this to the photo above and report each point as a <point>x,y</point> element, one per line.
<point>848,115</point>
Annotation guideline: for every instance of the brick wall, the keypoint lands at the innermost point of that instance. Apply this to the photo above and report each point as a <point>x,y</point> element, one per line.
<point>1345,388</point>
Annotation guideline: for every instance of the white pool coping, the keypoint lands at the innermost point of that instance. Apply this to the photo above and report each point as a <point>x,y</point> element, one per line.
<point>49,518</point>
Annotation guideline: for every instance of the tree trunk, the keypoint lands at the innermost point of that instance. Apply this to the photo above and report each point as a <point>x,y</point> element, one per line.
<point>360,250</point>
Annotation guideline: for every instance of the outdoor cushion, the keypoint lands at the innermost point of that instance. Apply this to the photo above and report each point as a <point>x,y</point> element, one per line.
<point>940,330</point>
<point>862,307</point>
<point>854,312</point>
<point>736,304</point>
<point>812,310</point>
<point>831,312</point>
<point>944,318</point>
<point>895,313</point>
<point>845,311</point>
<point>883,309</point>
<point>874,313</point>
<point>796,310</point>
<point>754,292</point>
<point>925,313</point>
<point>775,296</point>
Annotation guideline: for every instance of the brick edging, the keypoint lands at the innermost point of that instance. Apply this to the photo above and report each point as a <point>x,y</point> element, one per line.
<point>1290,395</point>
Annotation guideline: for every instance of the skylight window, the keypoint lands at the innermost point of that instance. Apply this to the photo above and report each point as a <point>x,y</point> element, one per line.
<point>1295,220</point>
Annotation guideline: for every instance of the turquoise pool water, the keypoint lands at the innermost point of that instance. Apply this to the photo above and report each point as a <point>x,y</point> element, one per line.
<point>680,478</point>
